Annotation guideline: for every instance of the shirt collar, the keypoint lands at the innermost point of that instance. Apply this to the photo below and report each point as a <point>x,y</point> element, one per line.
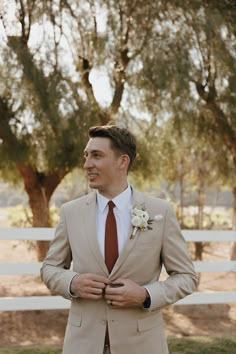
<point>121,200</point>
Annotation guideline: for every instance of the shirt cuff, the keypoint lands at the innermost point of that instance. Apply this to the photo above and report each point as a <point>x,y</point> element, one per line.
<point>147,302</point>
<point>72,295</point>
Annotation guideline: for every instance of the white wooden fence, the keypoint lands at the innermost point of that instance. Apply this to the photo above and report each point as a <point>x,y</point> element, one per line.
<point>57,302</point>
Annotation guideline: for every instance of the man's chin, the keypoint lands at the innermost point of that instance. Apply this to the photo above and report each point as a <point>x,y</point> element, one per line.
<point>93,185</point>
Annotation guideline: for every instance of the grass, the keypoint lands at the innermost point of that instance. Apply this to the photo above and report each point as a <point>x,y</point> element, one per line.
<point>190,345</point>
<point>202,345</point>
<point>31,350</point>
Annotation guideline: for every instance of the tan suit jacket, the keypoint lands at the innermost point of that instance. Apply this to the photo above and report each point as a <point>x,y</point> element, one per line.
<point>131,330</point>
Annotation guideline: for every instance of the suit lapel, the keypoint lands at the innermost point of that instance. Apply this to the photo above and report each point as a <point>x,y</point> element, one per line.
<point>91,232</point>
<point>137,198</point>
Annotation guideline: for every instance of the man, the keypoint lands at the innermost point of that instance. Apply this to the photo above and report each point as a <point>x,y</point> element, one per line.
<point>118,249</point>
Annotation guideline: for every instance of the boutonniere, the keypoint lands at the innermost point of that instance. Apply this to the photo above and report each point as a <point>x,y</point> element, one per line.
<point>140,219</point>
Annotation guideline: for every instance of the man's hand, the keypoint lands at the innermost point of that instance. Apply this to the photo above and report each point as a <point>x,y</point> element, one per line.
<point>125,293</point>
<point>89,286</point>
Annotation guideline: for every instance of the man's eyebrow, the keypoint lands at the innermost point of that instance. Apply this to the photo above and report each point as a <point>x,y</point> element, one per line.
<point>93,152</point>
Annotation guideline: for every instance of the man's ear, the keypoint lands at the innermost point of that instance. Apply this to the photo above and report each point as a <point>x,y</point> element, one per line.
<point>124,162</point>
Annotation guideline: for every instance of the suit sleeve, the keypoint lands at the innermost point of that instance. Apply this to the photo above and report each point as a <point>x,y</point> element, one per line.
<point>182,279</point>
<point>55,272</point>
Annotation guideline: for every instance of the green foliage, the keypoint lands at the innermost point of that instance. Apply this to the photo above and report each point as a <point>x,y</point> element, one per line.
<point>21,216</point>
<point>172,62</point>
<point>218,218</point>
<point>188,69</point>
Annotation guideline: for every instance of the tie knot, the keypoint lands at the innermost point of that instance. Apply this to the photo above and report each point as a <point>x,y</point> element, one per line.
<point>111,205</point>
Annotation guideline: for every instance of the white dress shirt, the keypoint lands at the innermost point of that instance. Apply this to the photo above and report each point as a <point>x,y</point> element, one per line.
<point>122,212</point>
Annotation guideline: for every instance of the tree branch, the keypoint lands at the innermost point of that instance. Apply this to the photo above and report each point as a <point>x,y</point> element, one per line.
<point>22,18</point>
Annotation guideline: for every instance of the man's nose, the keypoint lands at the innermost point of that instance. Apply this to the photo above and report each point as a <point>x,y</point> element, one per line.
<point>87,163</point>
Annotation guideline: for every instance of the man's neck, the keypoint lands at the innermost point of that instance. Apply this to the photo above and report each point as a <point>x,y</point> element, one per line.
<point>111,194</point>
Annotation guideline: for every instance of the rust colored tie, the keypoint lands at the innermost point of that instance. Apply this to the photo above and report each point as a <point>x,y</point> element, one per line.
<point>111,242</point>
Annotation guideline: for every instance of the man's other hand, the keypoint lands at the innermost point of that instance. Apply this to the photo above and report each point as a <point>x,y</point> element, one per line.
<point>89,286</point>
<point>125,293</point>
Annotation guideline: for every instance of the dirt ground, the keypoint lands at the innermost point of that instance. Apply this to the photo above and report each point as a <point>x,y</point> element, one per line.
<point>47,327</point>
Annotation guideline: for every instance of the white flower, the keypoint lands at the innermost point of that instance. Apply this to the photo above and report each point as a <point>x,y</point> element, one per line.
<point>145,216</point>
<point>137,211</point>
<point>140,219</point>
<point>136,221</point>
<point>158,217</point>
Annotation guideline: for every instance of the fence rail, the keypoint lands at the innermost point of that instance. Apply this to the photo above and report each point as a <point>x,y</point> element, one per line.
<point>33,268</point>
<point>57,302</point>
<point>47,233</point>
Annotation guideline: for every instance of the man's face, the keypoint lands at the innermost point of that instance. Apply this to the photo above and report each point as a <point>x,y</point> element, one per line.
<point>103,165</point>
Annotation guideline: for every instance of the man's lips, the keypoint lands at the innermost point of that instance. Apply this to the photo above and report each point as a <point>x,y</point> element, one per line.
<point>92,175</point>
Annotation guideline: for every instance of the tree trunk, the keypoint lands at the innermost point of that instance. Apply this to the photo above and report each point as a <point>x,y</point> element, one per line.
<point>234,209</point>
<point>181,185</point>
<point>39,188</point>
<point>199,246</point>
<point>201,200</point>
<point>233,250</point>
<point>41,218</point>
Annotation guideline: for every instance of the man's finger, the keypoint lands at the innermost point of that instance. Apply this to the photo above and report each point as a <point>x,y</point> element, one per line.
<point>114,290</point>
<point>93,296</point>
<point>98,285</point>
<point>100,279</point>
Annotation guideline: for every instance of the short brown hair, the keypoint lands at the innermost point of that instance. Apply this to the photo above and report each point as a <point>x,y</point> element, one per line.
<point>121,139</point>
